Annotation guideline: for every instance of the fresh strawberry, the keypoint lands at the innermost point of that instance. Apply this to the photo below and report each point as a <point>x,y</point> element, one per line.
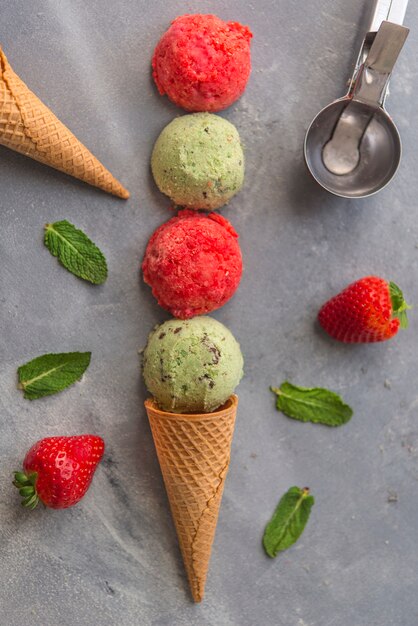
<point>59,470</point>
<point>369,310</point>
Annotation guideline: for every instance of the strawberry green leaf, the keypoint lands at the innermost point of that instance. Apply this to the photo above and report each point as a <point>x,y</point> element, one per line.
<point>399,306</point>
<point>21,479</point>
<point>27,489</point>
<point>30,502</point>
<point>288,521</point>
<point>312,404</point>
<point>51,373</point>
<point>76,252</point>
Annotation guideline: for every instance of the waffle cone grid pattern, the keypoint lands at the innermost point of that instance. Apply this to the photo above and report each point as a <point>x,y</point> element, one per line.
<point>194,453</point>
<point>27,126</point>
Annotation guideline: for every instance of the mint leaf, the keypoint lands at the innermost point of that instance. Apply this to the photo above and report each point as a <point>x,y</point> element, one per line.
<point>51,373</point>
<point>76,252</point>
<point>312,404</point>
<point>288,521</point>
<point>399,306</point>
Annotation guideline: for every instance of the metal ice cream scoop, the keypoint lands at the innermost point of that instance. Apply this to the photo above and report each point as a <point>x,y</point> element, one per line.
<point>352,147</point>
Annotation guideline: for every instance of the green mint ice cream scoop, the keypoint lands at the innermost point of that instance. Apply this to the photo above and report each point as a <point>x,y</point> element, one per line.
<point>198,161</point>
<point>192,366</point>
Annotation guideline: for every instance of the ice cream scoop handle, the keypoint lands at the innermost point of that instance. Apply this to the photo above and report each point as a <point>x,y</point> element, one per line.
<point>387,11</point>
<point>373,77</point>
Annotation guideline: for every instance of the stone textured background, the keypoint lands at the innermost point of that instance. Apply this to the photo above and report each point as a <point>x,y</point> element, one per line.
<point>114,560</point>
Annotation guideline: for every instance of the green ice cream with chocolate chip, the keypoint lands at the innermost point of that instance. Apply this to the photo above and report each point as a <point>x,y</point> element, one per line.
<point>198,161</point>
<point>192,366</point>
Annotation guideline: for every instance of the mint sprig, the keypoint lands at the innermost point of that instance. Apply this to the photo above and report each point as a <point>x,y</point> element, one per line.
<point>76,251</point>
<point>399,306</point>
<point>51,373</point>
<point>288,521</point>
<point>312,404</point>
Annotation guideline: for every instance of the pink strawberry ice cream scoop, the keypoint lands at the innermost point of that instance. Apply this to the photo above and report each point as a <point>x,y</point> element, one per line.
<point>203,63</point>
<point>193,263</point>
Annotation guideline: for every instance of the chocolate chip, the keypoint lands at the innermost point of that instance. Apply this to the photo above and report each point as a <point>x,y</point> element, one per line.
<point>207,376</point>
<point>212,348</point>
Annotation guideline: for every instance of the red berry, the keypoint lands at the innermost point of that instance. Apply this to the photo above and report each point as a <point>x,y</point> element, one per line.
<point>58,470</point>
<point>369,310</point>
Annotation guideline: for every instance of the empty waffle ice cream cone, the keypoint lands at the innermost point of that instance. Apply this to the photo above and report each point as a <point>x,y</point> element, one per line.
<point>191,367</point>
<point>194,452</point>
<point>30,128</point>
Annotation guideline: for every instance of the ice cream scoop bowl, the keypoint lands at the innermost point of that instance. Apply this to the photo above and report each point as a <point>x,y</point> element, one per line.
<point>352,147</point>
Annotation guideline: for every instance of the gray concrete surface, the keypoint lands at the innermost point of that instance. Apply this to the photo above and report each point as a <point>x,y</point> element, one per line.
<point>113,560</point>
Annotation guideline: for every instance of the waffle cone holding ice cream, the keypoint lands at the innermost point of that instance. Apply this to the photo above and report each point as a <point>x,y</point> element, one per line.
<point>194,453</point>
<point>30,128</point>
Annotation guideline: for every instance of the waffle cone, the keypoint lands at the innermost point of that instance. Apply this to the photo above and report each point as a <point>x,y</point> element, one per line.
<point>29,127</point>
<point>194,452</point>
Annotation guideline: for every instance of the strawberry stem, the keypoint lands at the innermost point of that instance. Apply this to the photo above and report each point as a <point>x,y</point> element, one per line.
<point>399,306</point>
